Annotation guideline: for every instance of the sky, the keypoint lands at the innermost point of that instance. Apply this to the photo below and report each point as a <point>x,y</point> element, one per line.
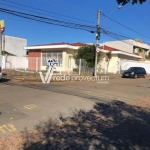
<point>133,21</point>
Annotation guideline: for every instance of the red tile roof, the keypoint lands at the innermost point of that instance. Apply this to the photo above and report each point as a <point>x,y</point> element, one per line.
<point>62,43</point>
<point>112,49</point>
<point>108,48</point>
<point>78,44</point>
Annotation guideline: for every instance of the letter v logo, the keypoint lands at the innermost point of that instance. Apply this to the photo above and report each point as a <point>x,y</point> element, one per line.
<point>44,80</point>
<point>48,75</point>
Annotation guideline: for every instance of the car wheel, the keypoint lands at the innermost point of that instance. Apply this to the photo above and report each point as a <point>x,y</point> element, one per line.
<point>144,76</point>
<point>135,76</point>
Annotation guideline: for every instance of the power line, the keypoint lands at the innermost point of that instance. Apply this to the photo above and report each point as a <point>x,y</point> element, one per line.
<point>104,27</point>
<point>115,34</point>
<point>32,11</point>
<point>85,12</point>
<point>42,19</point>
<point>46,11</point>
<point>117,38</point>
<point>47,22</point>
<point>110,37</point>
<point>125,26</point>
<point>14,19</point>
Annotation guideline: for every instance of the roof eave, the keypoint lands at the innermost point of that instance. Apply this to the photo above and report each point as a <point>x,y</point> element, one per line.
<point>127,54</point>
<point>118,52</point>
<point>51,46</point>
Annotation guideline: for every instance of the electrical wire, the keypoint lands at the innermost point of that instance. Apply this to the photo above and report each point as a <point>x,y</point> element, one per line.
<point>126,26</point>
<point>115,34</point>
<point>45,20</point>
<point>41,17</point>
<point>109,37</point>
<point>46,11</point>
<point>64,6</point>
<point>117,38</point>
<point>61,22</point>
<point>104,27</point>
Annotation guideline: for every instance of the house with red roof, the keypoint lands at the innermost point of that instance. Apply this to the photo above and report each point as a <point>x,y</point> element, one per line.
<point>111,58</point>
<point>38,55</point>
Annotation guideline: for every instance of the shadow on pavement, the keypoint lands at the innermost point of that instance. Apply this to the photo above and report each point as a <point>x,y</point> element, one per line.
<point>112,126</point>
<point>3,80</point>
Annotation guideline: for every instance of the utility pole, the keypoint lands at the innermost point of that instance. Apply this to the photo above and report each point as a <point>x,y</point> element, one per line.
<point>97,39</point>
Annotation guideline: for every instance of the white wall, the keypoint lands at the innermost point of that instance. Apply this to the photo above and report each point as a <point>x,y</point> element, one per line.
<point>126,64</point>
<point>14,45</point>
<point>13,62</point>
<point>124,46</point>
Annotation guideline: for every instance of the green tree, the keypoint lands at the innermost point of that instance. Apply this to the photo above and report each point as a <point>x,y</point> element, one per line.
<point>88,54</point>
<point>140,50</point>
<point>148,56</point>
<point>124,2</point>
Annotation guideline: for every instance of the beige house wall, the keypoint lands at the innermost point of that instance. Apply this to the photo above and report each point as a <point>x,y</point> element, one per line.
<point>127,57</point>
<point>65,59</point>
<point>124,46</point>
<point>112,65</point>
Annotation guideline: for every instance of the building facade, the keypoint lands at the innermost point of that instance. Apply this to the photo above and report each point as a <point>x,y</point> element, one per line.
<point>14,45</point>
<point>131,46</point>
<point>39,54</point>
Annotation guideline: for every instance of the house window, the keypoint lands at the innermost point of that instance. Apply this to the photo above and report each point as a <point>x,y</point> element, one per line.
<point>51,55</point>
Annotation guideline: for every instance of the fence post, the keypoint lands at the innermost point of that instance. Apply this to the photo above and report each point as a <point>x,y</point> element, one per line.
<point>60,68</point>
<point>3,61</point>
<point>15,62</point>
<point>68,70</point>
<point>79,66</point>
<point>105,66</point>
<point>118,65</point>
<point>26,64</point>
<point>36,64</point>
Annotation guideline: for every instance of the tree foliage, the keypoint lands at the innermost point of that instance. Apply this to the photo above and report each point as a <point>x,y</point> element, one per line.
<point>140,50</point>
<point>124,2</point>
<point>148,56</point>
<point>88,54</point>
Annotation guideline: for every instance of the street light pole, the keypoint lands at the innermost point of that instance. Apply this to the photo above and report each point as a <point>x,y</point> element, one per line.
<point>97,39</point>
<point>119,7</point>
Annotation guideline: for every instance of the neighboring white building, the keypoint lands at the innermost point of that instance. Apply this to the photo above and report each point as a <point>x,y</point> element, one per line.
<point>14,45</point>
<point>130,46</point>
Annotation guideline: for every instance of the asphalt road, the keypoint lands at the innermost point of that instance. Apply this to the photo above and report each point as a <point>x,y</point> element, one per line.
<point>25,105</point>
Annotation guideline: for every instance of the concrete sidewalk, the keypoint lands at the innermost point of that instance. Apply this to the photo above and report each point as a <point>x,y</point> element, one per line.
<point>30,76</point>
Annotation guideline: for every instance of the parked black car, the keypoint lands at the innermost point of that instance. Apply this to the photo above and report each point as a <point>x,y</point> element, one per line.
<point>135,72</point>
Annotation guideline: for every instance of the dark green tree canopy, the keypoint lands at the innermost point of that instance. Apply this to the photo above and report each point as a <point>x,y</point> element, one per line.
<point>123,2</point>
<point>88,54</point>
